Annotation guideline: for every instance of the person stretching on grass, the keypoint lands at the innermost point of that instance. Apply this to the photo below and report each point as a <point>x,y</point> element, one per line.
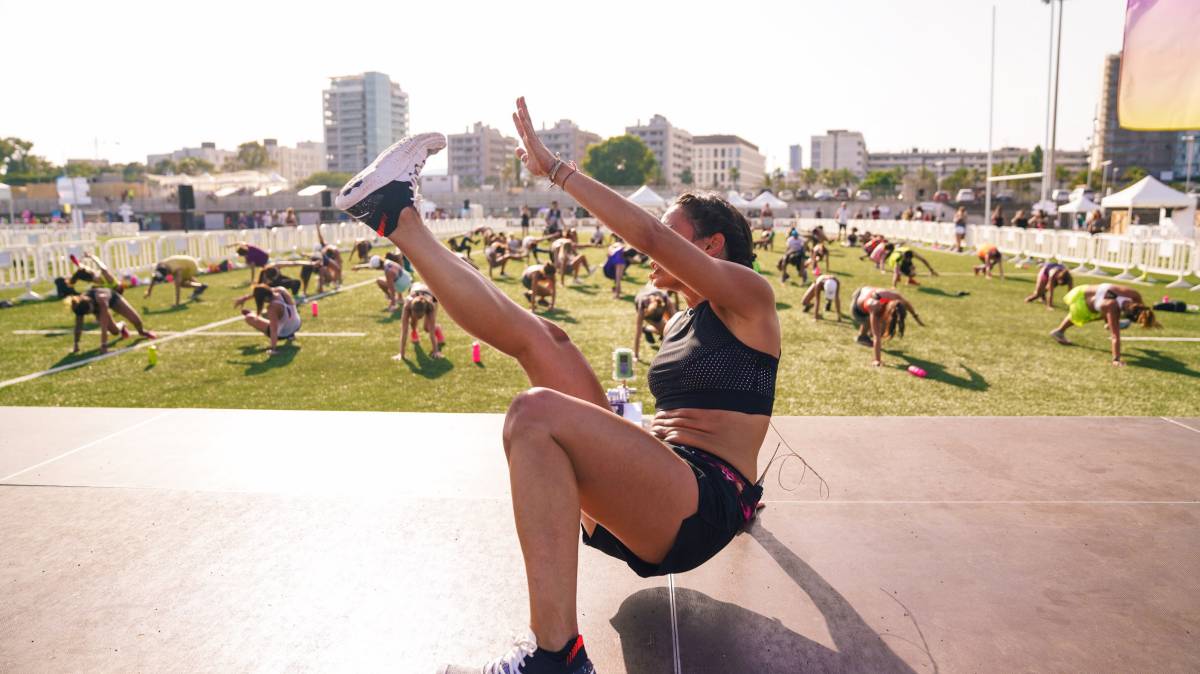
<point>420,307</point>
<point>183,270</point>
<point>990,256</point>
<point>540,281</point>
<point>880,314</point>
<point>100,276</point>
<point>361,248</point>
<point>795,254</point>
<point>331,263</point>
<point>654,309</point>
<point>1050,275</point>
<point>829,286</point>
<point>256,258</point>
<point>282,321</point>
<point>820,253</point>
<point>901,261</point>
<point>567,259</point>
<point>395,280</point>
<point>663,500</point>
<point>102,303</point>
<point>1107,301</point>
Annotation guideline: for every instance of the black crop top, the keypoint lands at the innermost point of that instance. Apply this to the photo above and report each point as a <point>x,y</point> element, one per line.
<point>703,365</point>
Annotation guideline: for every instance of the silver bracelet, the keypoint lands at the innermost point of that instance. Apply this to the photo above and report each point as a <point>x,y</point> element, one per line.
<point>554,170</point>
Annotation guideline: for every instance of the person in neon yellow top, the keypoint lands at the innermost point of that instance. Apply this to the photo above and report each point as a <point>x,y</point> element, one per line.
<point>1109,301</point>
<point>183,269</point>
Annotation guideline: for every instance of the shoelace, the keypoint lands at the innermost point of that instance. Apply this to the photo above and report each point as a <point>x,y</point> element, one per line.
<point>511,663</point>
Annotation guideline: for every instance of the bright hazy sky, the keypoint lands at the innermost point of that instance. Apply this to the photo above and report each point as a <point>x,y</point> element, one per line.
<point>142,77</point>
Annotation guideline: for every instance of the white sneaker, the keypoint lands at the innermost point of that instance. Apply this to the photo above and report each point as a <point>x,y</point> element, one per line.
<point>389,184</point>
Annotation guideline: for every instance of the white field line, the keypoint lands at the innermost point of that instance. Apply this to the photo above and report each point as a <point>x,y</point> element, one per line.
<point>1194,430</point>
<point>156,342</point>
<point>86,445</point>
<point>206,333</point>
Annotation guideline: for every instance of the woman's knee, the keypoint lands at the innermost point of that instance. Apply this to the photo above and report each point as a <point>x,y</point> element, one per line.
<point>529,412</point>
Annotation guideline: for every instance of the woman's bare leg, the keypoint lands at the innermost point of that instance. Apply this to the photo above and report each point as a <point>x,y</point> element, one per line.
<point>258,323</point>
<point>132,316</point>
<point>566,456</point>
<point>544,351</point>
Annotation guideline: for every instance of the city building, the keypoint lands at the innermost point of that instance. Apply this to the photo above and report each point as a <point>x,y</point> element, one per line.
<point>479,156</point>
<point>1154,151</point>
<point>671,145</point>
<point>438,184</point>
<point>839,149</point>
<point>207,151</point>
<point>714,159</point>
<point>1187,142</point>
<point>295,163</point>
<point>912,161</point>
<point>567,140</point>
<point>363,114</point>
<point>795,158</point>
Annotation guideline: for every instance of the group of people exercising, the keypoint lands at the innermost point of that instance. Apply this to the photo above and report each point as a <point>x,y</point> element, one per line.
<point>881,313</point>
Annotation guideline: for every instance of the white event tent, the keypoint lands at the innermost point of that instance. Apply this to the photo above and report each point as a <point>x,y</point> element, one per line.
<point>648,199</point>
<point>768,199</point>
<point>1149,193</point>
<point>737,201</point>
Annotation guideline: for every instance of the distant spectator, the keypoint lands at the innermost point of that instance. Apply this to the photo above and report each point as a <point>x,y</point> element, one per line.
<point>524,221</point>
<point>843,217</point>
<point>1094,226</point>
<point>553,219</point>
<point>875,212</point>
<point>998,217</point>
<point>960,228</point>
<point>1019,220</point>
<point>289,218</point>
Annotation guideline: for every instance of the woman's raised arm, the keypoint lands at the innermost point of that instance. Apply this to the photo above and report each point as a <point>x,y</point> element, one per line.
<point>727,284</point>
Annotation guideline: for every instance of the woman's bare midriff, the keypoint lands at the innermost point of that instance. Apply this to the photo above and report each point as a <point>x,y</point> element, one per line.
<point>733,436</point>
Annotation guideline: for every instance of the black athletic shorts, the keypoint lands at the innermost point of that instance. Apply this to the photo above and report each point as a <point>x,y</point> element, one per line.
<point>726,503</point>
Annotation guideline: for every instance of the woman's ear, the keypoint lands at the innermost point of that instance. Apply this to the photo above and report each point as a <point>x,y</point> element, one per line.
<point>715,245</point>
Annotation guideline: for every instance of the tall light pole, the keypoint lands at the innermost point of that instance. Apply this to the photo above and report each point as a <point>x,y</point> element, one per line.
<point>1048,163</point>
<point>1052,79</point>
<point>987,180</point>
<point>1104,176</point>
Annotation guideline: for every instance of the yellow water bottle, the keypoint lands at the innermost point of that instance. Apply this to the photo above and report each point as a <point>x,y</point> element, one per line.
<point>152,355</point>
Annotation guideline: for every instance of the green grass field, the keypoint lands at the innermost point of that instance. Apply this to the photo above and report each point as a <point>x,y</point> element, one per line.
<point>986,353</point>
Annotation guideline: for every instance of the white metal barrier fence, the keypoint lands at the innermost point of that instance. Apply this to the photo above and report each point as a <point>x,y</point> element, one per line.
<point>1127,258</point>
<point>30,256</point>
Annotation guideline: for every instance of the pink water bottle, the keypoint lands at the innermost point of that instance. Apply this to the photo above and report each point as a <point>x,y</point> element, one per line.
<point>414,336</point>
<point>916,371</point>
<point>314,309</point>
<point>1166,298</point>
<point>476,356</point>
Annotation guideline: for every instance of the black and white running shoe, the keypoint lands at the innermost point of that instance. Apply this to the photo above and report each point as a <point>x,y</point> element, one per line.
<point>389,184</point>
<point>526,658</point>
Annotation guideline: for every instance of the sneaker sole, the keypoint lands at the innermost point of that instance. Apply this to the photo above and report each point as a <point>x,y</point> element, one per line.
<point>388,166</point>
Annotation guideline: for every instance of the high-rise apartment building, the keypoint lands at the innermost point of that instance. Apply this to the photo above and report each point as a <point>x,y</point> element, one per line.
<point>672,147</point>
<point>715,158</point>
<point>839,149</point>
<point>363,115</point>
<point>479,155</point>
<point>1154,151</point>
<point>296,163</point>
<point>795,158</point>
<point>567,140</point>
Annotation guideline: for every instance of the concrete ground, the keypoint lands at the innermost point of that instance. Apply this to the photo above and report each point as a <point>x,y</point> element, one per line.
<point>236,541</point>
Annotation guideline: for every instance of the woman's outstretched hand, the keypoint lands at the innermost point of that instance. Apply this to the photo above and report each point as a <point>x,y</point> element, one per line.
<point>534,155</point>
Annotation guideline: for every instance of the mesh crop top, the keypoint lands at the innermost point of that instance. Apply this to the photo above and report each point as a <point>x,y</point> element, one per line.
<point>703,365</point>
